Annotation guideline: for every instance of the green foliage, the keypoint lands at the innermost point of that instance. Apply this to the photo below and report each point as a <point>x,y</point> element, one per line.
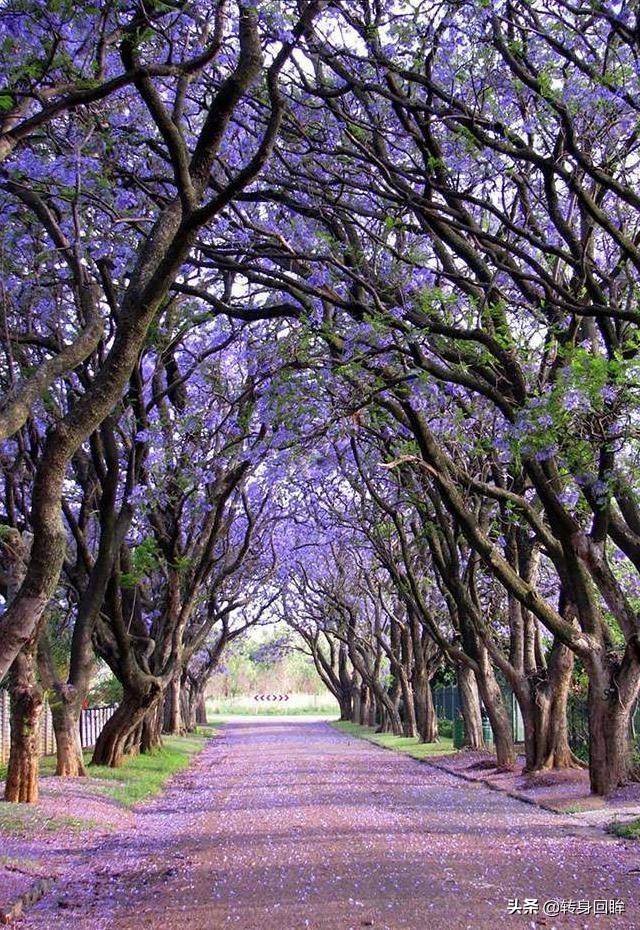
<point>106,690</point>
<point>145,558</point>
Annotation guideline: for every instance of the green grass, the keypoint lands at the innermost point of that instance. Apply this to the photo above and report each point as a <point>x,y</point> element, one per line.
<point>24,819</point>
<point>575,808</point>
<point>628,831</point>
<point>20,863</point>
<point>269,710</point>
<point>145,775</point>
<point>407,744</point>
<point>138,778</point>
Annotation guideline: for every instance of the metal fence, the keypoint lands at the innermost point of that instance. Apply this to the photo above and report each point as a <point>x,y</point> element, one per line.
<point>578,725</point>
<point>92,720</point>
<point>447,704</point>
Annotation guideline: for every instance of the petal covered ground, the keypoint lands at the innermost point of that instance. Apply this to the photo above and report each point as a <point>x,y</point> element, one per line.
<point>289,825</point>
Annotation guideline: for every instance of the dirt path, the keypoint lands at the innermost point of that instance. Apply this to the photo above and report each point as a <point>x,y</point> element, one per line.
<point>287,825</point>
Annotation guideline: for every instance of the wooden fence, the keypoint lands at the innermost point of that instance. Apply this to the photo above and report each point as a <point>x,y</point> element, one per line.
<point>92,721</point>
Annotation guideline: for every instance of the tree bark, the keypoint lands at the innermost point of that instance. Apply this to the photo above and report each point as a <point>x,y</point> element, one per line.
<point>470,707</point>
<point>65,714</point>
<point>25,694</point>
<point>429,731</point>
<point>613,692</point>
<point>543,702</point>
<point>201,710</point>
<point>26,708</point>
<point>608,744</point>
<point>492,699</point>
<point>114,741</point>
<point>151,729</point>
<point>173,722</point>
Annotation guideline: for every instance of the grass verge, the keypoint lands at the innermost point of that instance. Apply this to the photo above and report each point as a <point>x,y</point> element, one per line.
<point>627,831</point>
<point>407,744</point>
<point>140,777</point>
<point>24,819</point>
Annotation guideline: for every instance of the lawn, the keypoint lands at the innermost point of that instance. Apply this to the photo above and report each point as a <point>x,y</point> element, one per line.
<point>407,744</point>
<point>140,777</point>
<point>25,819</point>
<point>144,775</point>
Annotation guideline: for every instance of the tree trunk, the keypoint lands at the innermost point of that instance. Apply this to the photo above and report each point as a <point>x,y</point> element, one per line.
<point>151,729</point>
<point>496,711</point>
<point>365,705</point>
<point>114,740</point>
<point>173,722</point>
<point>544,713</point>
<point>190,697</point>
<point>194,710</point>
<point>470,707</point>
<point>201,710</point>
<point>409,725</point>
<point>613,692</point>
<point>346,709</point>
<point>390,721</point>
<point>491,696</point>
<point>65,714</point>
<point>355,700</point>
<point>608,744</point>
<point>429,731</point>
<point>26,708</point>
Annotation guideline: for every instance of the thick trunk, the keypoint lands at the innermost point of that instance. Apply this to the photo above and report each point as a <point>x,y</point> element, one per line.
<point>151,729</point>
<point>65,715</point>
<point>497,713</point>
<point>613,692</point>
<point>355,700</point>
<point>194,709</point>
<point>409,726</point>
<point>491,696</point>
<point>346,705</point>
<point>419,702</point>
<point>122,732</point>
<point>470,707</point>
<point>189,706</point>
<point>375,714</point>
<point>26,708</point>
<point>365,705</point>
<point>429,731</point>
<point>608,744</point>
<point>390,717</point>
<point>173,722</point>
<point>544,712</point>
<point>345,677</point>
<point>201,710</point>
